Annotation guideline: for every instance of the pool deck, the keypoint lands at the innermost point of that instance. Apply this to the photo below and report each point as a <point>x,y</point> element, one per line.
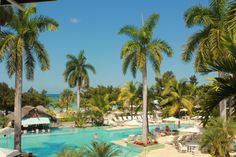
<point>122,127</point>
<point>168,150</point>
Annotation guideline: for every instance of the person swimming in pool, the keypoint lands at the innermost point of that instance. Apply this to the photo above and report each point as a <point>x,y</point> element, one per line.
<point>95,137</point>
<point>157,131</point>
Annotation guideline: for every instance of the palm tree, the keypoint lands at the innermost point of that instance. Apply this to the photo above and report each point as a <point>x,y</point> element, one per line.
<point>96,107</point>
<point>76,73</point>
<point>95,150</point>
<point>135,53</point>
<point>72,153</point>
<point>223,87</point>
<point>102,150</point>
<point>66,98</point>
<point>128,95</point>
<point>218,136</point>
<point>208,43</point>
<point>19,43</point>
<point>177,96</point>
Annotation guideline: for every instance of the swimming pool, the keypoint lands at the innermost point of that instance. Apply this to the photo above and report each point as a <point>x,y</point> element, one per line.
<point>49,144</point>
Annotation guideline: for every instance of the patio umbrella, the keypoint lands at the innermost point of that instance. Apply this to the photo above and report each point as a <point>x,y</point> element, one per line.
<point>117,112</point>
<point>196,117</point>
<point>132,123</point>
<point>183,110</point>
<point>171,119</point>
<point>8,152</point>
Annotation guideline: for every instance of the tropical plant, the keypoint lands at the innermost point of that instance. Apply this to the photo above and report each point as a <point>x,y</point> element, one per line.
<point>66,98</point>
<point>19,43</point>
<point>80,119</point>
<point>193,80</point>
<point>6,98</point>
<point>95,150</point>
<point>224,87</point>
<point>218,136</point>
<point>76,73</point>
<point>96,107</point>
<point>128,96</point>
<point>32,97</point>
<point>209,43</point>
<point>72,153</point>
<point>135,53</point>
<point>177,95</point>
<point>102,150</point>
<point>3,121</point>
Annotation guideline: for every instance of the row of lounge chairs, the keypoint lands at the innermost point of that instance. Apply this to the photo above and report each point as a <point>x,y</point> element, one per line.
<point>181,144</point>
<point>37,131</point>
<point>138,118</point>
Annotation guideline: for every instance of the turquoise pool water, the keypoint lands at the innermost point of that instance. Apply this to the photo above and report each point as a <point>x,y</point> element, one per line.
<point>49,144</point>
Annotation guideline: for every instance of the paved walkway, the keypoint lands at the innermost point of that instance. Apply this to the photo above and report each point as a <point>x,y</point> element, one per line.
<point>168,151</point>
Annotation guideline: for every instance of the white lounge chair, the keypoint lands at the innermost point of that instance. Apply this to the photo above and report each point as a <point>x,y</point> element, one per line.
<point>115,119</point>
<point>138,138</point>
<point>195,151</point>
<point>135,117</point>
<point>112,123</point>
<point>120,119</point>
<point>140,118</point>
<point>130,138</point>
<point>129,118</point>
<point>182,149</point>
<point>125,118</point>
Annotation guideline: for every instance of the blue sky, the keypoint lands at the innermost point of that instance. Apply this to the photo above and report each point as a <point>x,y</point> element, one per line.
<point>93,25</point>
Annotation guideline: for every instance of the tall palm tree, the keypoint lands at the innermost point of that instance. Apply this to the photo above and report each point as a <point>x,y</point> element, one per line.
<point>19,43</point>
<point>208,43</point>
<point>128,96</point>
<point>76,73</point>
<point>218,136</point>
<point>140,48</point>
<point>177,96</point>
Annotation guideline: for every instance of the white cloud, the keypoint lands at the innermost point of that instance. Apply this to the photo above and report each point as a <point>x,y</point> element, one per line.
<point>74,20</point>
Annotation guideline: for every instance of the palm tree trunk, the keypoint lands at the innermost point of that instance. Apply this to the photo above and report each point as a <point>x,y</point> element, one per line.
<point>17,107</point>
<point>131,110</point>
<point>78,97</point>
<point>223,103</point>
<point>145,124</point>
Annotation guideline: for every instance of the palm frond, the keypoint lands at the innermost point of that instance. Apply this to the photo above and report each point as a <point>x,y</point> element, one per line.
<point>131,31</point>
<point>231,24</point>
<point>193,43</point>
<point>90,67</point>
<point>28,12</point>
<point>198,15</point>
<point>42,55</point>
<point>7,41</point>
<point>151,23</point>
<point>44,23</point>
